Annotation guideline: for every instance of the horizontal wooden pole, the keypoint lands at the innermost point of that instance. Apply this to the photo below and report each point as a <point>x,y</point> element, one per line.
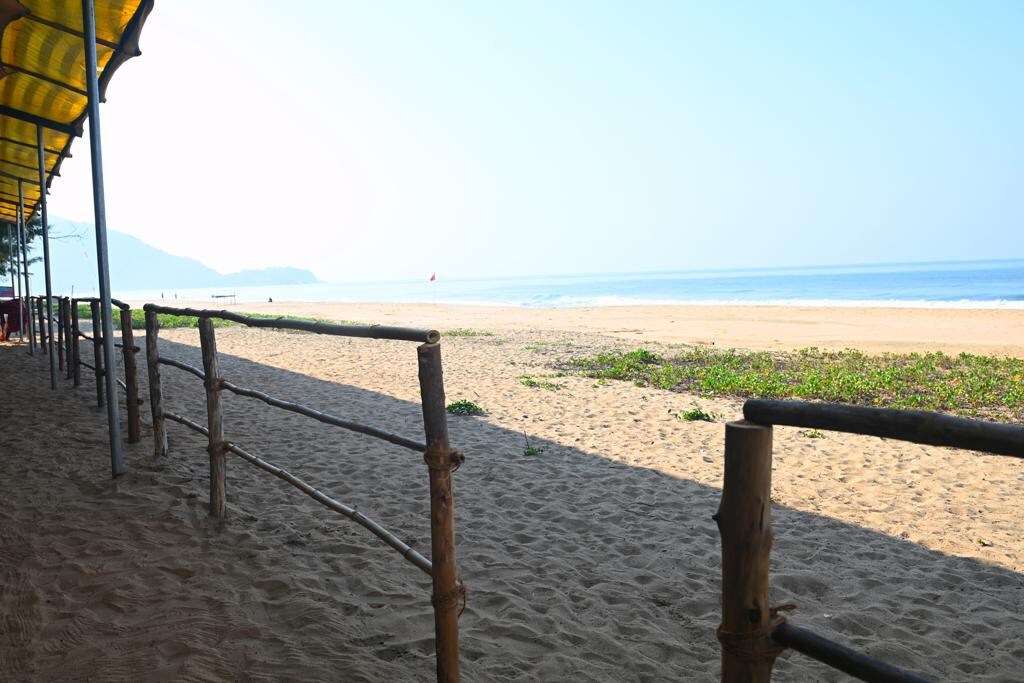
<point>90,299</point>
<point>83,335</point>
<point>195,426</point>
<point>362,331</point>
<point>324,417</point>
<point>303,410</point>
<point>135,349</point>
<point>917,426</point>
<point>359,518</point>
<point>183,366</point>
<point>841,657</point>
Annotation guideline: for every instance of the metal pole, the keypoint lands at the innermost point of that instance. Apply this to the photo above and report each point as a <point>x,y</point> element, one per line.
<point>46,257</point>
<point>24,257</point>
<point>11,255</point>
<point>100,211</point>
<point>17,281</point>
<point>11,260</point>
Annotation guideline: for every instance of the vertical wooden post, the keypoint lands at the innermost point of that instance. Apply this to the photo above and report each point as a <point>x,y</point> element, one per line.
<point>131,376</point>
<point>745,523</point>
<point>76,345</point>
<point>60,333</point>
<point>69,338</point>
<point>156,392</point>
<point>42,325</point>
<point>214,420</point>
<point>448,591</point>
<point>97,350</point>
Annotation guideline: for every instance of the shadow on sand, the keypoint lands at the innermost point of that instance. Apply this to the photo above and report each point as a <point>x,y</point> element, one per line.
<point>578,567</point>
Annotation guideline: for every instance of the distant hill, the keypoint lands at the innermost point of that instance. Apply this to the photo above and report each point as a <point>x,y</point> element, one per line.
<point>137,265</point>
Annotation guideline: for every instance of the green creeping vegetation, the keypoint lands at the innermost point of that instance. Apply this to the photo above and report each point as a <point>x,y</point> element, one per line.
<point>466,332</point>
<point>974,386</point>
<point>168,321</point>
<point>533,382</point>
<point>465,407</point>
<point>528,449</point>
<point>696,414</point>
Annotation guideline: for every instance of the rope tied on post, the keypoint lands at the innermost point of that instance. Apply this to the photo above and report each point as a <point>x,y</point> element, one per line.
<point>219,448</point>
<point>753,645</point>
<point>442,458</point>
<point>455,597</point>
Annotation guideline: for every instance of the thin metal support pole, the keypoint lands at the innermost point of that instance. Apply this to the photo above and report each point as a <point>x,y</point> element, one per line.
<point>46,256</point>
<point>23,230</point>
<point>17,280</point>
<point>100,211</point>
<point>12,260</point>
<point>12,255</point>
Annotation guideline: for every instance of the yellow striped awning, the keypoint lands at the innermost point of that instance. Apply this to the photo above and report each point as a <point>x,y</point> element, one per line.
<point>42,82</point>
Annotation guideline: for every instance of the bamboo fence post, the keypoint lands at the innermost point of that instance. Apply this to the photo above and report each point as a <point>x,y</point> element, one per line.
<point>744,522</point>
<point>448,589</point>
<point>76,346</point>
<point>215,422</point>
<point>60,333</point>
<point>131,376</point>
<point>69,339</point>
<point>29,319</point>
<point>42,326</point>
<point>97,351</point>
<point>156,394</point>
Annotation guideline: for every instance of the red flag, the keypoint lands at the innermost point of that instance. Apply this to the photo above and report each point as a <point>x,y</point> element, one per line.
<point>433,277</point>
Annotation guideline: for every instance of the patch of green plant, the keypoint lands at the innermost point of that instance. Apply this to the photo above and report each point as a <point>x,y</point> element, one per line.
<point>528,449</point>
<point>466,332</point>
<point>168,320</point>
<point>530,381</point>
<point>812,433</point>
<point>976,386</point>
<point>545,346</point>
<point>696,414</point>
<point>464,407</point>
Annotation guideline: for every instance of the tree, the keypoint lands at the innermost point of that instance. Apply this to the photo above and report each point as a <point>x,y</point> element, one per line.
<point>33,231</point>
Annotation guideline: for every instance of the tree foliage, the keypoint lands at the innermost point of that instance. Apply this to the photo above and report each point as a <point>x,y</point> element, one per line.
<point>33,238</point>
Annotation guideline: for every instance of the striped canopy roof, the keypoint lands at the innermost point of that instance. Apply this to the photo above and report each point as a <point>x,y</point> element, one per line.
<point>42,81</point>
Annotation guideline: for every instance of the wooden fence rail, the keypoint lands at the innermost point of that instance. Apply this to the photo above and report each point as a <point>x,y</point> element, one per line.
<point>406,552</point>
<point>74,364</point>
<point>441,460</point>
<point>917,426</point>
<point>361,331</point>
<point>753,633</point>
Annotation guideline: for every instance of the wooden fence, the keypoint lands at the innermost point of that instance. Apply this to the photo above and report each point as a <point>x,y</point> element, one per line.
<point>441,459</point>
<point>752,632</point>
<point>68,324</point>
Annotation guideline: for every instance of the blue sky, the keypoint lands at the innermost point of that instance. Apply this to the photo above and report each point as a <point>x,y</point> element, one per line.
<point>394,139</point>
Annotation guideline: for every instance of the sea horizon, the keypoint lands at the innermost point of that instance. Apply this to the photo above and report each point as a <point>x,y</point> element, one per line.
<point>986,284</point>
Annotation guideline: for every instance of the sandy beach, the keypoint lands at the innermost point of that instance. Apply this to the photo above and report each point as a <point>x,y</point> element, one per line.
<point>594,559</point>
<point>873,330</point>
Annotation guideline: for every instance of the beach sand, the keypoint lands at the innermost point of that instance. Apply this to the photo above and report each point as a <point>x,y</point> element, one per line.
<point>594,559</point>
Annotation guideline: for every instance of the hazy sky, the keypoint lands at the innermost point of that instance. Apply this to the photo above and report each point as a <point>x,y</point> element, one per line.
<point>392,140</point>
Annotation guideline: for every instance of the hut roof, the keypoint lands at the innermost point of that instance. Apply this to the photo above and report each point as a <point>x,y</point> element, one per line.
<point>42,81</point>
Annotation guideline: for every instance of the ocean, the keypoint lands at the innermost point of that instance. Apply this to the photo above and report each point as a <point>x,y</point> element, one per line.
<point>960,284</point>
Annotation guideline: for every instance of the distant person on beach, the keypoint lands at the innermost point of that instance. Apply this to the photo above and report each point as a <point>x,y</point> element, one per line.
<point>270,299</point>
